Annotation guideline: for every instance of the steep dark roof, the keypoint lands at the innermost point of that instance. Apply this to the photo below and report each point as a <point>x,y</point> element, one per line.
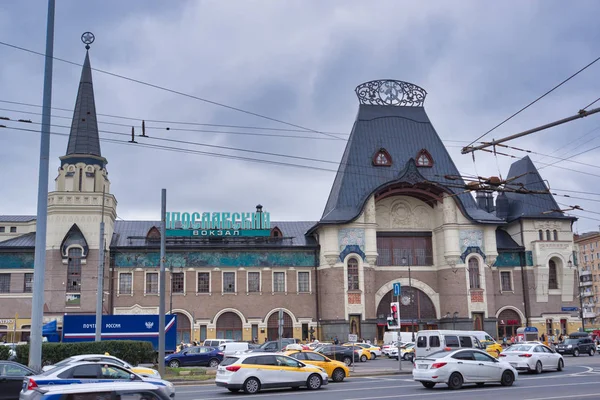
<point>26,240</point>
<point>133,233</point>
<point>84,139</point>
<point>528,205</point>
<point>505,242</point>
<point>17,218</point>
<point>403,132</point>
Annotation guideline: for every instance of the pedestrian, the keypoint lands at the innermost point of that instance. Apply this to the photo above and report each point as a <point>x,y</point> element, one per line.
<point>504,340</point>
<point>336,341</point>
<point>543,338</point>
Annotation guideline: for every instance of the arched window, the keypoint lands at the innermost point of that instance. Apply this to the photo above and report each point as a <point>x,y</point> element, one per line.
<point>552,275</point>
<point>353,274</point>
<point>555,234</point>
<point>474,273</point>
<point>541,233</point>
<point>424,159</point>
<point>382,158</point>
<point>548,235</point>
<point>74,270</point>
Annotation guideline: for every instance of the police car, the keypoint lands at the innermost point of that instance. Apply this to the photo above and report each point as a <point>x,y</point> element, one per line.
<point>88,372</point>
<point>100,391</point>
<point>142,371</point>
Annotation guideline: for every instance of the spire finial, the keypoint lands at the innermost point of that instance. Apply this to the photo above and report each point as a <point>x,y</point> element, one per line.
<point>88,38</point>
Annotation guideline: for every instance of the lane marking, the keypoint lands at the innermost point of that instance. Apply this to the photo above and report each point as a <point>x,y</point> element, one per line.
<point>562,397</point>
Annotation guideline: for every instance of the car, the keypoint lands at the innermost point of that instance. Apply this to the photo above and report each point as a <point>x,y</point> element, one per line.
<point>577,345</point>
<point>252,372</point>
<point>407,352</point>
<point>11,378</point>
<point>344,354</point>
<point>532,357</point>
<point>196,356</point>
<point>88,372</point>
<point>374,351</point>
<point>336,370</point>
<point>364,354</point>
<point>273,345</point>
<point>142,371</point>
<point>100,391</point>
<point>455,367</point>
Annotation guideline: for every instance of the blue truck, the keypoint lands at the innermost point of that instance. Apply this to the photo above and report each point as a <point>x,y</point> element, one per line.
<point>82,328</point>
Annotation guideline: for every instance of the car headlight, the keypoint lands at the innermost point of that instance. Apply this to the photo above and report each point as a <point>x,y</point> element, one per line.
<point>570,346</point>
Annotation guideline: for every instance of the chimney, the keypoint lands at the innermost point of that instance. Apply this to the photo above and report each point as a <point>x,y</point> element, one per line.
<point>502,206</point>
<point>481,199</point>
<point>490,203</point>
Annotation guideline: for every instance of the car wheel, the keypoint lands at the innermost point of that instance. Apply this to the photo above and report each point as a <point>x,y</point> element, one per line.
<point>576,353</point>
<point>455,381</point>
<point>251,386</point>
<point>314,382</point>
<point>213,363</point>
<point>411,357</point>
<point>233,390</point>
<point>338,375</point>
<point>347,360</point>
<point>591,352</point>
<point>507,378</point>
<point>373,356</point>
<point>363,358</point>
<point>561,365</point>
<point>480,384</point>
<point>538,367</point>
<point>174,364</point>
<point>429,385</point>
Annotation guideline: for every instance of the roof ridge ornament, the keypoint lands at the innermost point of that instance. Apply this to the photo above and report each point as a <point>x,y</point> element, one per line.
<point>88,38</point>
<point>388,92</point>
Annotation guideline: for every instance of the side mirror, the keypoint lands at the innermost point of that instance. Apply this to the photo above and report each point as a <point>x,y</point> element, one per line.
<point>327,360</point>
<point>132,377</point>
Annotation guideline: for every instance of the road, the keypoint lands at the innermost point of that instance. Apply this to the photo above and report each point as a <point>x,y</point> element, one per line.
<point>579,380</point>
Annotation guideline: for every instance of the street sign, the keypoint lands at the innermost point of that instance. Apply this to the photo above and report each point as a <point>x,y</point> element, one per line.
<point>353,338</point>
<point>397,289</point>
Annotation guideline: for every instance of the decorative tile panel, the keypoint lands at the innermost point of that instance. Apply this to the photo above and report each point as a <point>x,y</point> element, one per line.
<point>218,259</point>
<point>471,238</point>
<point>351,237</point>
<point>470,250</point>
<point>353,298</point>
<point>513,259</point>
<point>352,249</point>
<point>16,260</point>
<point>476,296</point>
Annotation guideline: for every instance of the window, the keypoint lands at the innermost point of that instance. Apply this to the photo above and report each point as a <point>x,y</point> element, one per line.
<point>353,274</point>
<point>474,273</point>
<point>228,282</point>
<point>89,371</point>
<point>111,372</point>
<point>548,234</point>
<point>4,283</point>
<point>541,234</point>
<point>152,283</point>
<point>506,281</point>
<point>13,229</point>
<point>555,234</point>
<point>382,158</point>
<point>2,229</point>
<point>178,282</point>
<point>451,341</point>
<point>464,355</point>
<point>415,250</point>
<point>434,341</point>
<point>303,282</point>
<point>465,341</point>
<point>424,159</point>
<point>279,281</point>
<point>552,275</point>
<point>125,283</point>
<point>28,283</point>
<point>253,282</point>
<point>483,357</point>
<point>74,270</point>
<point>203,282</point>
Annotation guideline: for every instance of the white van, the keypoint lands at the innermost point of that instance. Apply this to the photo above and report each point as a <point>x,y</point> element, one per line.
<point>215,342</point>
<point>429,342</point>
<point>230,348</point>
<point>392,337</point>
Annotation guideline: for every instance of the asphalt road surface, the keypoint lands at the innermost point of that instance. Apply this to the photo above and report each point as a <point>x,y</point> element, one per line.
<point>579,380</point>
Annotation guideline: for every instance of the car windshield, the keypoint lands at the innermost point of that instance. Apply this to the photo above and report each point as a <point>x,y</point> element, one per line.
<point>571,341</point>
<point>519,347</point>
<point>228,361</point>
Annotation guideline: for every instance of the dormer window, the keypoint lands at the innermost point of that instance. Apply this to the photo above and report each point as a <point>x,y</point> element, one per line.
<point>276,232</point>
<point>424,159</point>
<point>382,158</point>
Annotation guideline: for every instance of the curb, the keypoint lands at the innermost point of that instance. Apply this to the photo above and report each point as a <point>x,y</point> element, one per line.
<point>352,375</point>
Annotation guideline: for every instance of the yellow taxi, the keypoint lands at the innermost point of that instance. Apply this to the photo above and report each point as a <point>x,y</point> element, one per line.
<point>364,353</point>
<point>336,370</point>
<point>374,351</point>
<point>492,348</point>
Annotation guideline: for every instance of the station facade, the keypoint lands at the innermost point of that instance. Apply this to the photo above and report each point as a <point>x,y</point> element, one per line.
<point>398,212</point>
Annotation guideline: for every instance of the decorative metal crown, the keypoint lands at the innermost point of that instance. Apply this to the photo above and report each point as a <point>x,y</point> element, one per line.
<point>387,92</point>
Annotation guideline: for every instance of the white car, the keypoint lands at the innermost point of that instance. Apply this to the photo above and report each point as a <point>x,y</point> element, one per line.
<point>142,371</point>
<point>533,357</point>
<point>114,390</point>
<point>457,367</point>
<point>252,372</point>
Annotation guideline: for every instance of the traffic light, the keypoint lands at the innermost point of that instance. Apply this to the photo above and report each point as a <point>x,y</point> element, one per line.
<point>393,321</point>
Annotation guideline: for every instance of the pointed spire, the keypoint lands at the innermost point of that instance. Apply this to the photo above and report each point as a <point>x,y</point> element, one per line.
<point>84,140</point>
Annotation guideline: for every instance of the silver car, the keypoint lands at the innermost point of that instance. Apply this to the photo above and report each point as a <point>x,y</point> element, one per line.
<point>124,390</point>
<point>142,371</point>
<point>87,372</point>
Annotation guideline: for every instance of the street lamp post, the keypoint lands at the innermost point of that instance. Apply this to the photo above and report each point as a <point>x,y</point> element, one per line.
<point>570,264</point>
<point>412,322</point>
<point>454,320</point>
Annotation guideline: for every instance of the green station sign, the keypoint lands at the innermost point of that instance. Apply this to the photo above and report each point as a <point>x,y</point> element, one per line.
<point>218,224</point>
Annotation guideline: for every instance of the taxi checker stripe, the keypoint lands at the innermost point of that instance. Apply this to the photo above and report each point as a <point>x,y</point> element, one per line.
<point>80,335</point>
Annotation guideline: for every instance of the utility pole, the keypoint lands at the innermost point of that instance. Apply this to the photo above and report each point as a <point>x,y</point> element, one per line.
<point>161,290</point>
<point>37,304</point>
<point>100,289</point>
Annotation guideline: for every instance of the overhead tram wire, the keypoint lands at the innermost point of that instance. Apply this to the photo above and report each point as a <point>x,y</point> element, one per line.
<point>534,101</point>
<point>191,96</point>
<point>572,142</point>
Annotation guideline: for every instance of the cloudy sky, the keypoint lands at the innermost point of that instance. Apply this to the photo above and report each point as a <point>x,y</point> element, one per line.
<point>299,62</point>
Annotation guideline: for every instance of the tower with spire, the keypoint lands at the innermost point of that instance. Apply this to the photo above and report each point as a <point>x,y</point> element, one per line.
<point>75,208</point>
